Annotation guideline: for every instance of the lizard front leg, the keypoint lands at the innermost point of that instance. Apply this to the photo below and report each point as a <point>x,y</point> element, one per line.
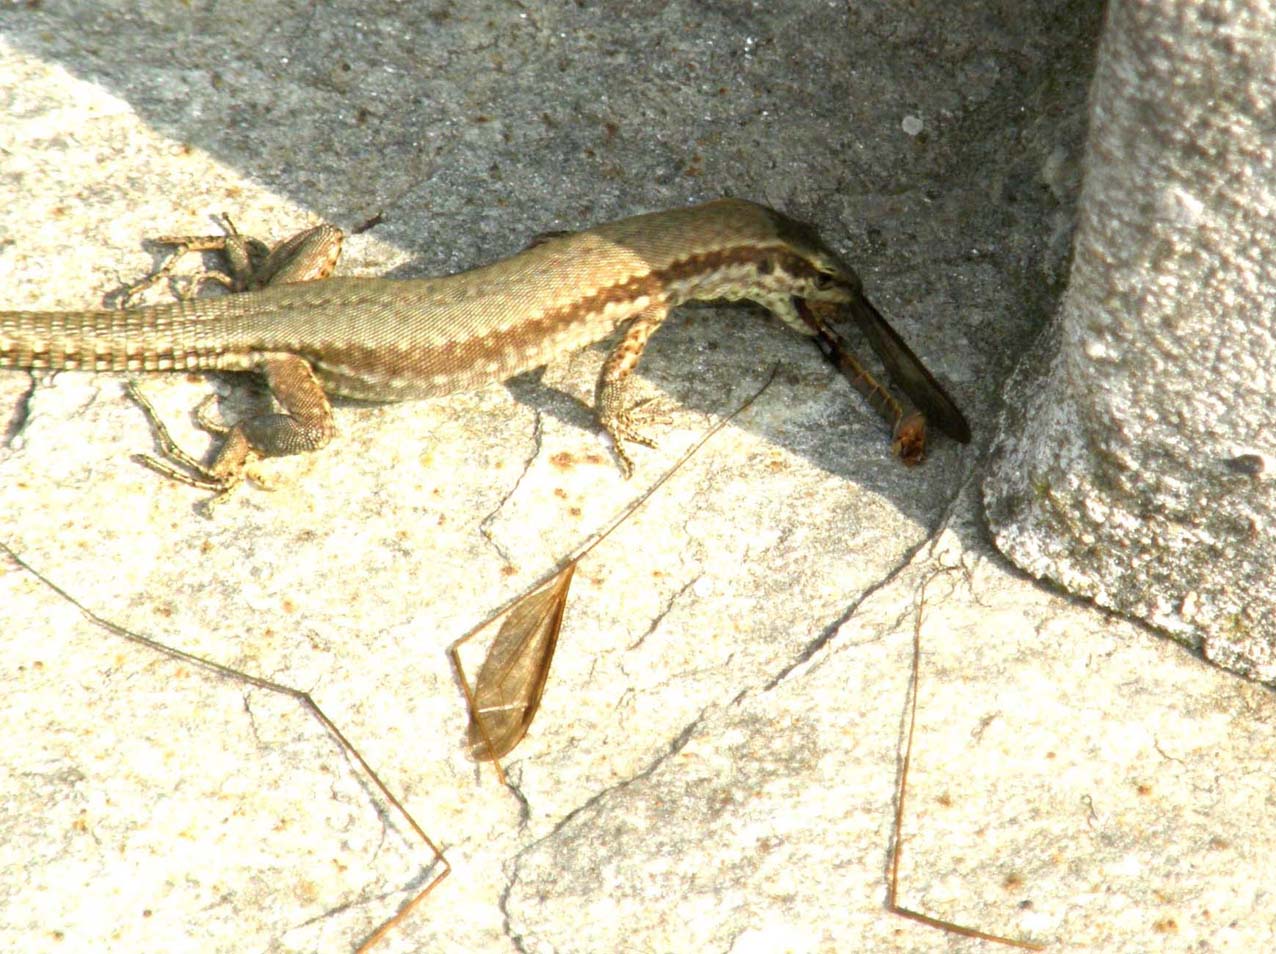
<point>618,418</point>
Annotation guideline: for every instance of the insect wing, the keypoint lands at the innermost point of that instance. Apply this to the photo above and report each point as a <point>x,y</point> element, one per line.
<point>511,681</point>
<point>909,373</point>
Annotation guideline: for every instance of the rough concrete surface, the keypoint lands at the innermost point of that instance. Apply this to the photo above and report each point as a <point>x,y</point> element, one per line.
<point>1134,462</point>
<point>714,764</point>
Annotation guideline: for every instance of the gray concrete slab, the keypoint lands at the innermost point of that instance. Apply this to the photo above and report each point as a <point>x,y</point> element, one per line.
<point>714,763</point>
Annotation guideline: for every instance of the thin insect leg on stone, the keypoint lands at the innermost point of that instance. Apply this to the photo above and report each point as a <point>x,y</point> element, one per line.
<point>305,700</point>
<point>897,849</point>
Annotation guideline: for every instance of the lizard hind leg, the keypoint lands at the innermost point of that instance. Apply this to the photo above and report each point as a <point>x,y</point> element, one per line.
<point>241,255</point>
<point>177,464</point>
<point>310,255</point>
<point>303,424</point>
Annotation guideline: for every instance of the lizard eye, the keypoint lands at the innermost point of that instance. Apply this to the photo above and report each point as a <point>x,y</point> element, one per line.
<point>824,281</point>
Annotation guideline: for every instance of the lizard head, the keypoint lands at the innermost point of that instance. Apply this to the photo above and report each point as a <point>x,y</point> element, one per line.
<point>814,271</point>
<point>791,264</point>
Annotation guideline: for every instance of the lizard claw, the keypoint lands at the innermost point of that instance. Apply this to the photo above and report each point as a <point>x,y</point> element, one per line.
<point>626,427</point>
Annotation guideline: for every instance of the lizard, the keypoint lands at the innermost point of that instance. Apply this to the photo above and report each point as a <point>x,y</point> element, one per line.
<point>311,335</point>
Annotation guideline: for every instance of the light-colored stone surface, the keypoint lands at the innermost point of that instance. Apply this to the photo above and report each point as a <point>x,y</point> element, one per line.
<point>1134,464</point>
<point>714,762</point>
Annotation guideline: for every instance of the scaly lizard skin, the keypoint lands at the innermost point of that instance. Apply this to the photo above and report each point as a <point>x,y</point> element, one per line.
<point>393,339</point>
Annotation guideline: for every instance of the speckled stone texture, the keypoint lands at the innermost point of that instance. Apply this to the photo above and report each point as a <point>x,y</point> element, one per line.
<point>1135,461</point>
